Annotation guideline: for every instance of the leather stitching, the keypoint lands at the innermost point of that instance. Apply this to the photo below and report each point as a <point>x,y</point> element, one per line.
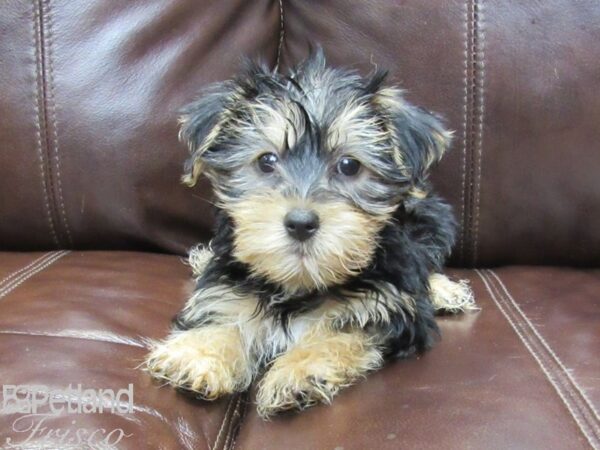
<point>576,407</point>
<point>13,284</point>
<point>473,132</point>
<point>221,429</point>
<point>281,35</point>
<point>52,103</point>
<point>463,208</point>
<point>239,426</point>
<point>38,89</point>
<point>22,269</point>
<point>517,328</point>
<point>242,417</point>
<point>234,424</point>
<point>473,111</point>
<point>546,346</point>
<point>81,335</point>
<point>46,132</point>
<point>556,377</point>
<point>231,425</point>
<point>479,37</point>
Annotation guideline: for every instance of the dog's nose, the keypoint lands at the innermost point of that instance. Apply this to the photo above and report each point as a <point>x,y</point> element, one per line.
<point>301,224</point>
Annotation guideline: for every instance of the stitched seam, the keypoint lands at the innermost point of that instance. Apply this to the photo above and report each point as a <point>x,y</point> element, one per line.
<point>471,123</point>
<point>218,438</point>
<point>32,271</point>
<point>120,341</point>
<point>25,276</point>
<point>555,376</point>
<point>233,425</point>
<point>45,114</point>
<point>38,128</point>
<point>583,428</point>
<point>535,355</point>
<point>473,130</point>
<point>22,269</point>
<point>540,349</point>
<point>548,348</point>
<point>479,36</point>
<point>472,109</point>
<point>281,35</point>
<point>25,273</point>
<point>52,103</point>
<point>230,424</point>
<point>239,426</point>
<point>464,134</point>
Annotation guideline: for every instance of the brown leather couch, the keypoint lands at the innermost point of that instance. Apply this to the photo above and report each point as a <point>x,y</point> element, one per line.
<point>94,221</point>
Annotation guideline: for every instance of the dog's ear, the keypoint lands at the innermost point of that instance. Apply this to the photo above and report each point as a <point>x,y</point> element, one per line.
<point>419,137</point>
<point>201,124</point>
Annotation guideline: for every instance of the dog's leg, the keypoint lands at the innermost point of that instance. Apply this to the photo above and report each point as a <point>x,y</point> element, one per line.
<point>209,361</point>
<point>450,296</point>
<point>315,369</point>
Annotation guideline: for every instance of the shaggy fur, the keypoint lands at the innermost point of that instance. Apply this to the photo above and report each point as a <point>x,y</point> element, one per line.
<point>319,313</point>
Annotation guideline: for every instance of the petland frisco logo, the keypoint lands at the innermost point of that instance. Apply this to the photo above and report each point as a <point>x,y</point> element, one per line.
<point>25,399</point>
<point>36,403</point>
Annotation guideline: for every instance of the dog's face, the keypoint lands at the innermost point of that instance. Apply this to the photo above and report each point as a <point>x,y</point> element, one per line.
<point>310,166</point>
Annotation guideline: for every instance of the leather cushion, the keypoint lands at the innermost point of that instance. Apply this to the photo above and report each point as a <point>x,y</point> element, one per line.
<point>521,373</point>
<point>81,318</point>
<point>518,83</point>
<point>89,92</point>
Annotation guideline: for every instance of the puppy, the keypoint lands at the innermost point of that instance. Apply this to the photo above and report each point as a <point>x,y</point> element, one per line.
<point>329,244</point>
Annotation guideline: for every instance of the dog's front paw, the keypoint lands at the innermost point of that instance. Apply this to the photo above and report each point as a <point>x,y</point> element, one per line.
<point>209,361</point>
<point>282,390</point>
<point>314,372</point>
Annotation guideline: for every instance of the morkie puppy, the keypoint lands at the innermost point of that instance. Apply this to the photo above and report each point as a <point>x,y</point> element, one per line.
<point>329,243</point>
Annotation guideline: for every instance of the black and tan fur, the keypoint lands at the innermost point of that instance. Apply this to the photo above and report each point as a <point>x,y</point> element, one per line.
<point>318,314</point>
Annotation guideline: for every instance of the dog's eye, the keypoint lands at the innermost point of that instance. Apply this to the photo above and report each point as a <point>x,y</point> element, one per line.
<point>267,161</point>
<point>348,166</point>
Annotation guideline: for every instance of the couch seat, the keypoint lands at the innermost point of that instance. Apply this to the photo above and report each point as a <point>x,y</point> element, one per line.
<point>524,372</point>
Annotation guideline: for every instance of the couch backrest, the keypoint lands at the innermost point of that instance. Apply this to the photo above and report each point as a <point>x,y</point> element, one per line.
<point>89,91</point>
